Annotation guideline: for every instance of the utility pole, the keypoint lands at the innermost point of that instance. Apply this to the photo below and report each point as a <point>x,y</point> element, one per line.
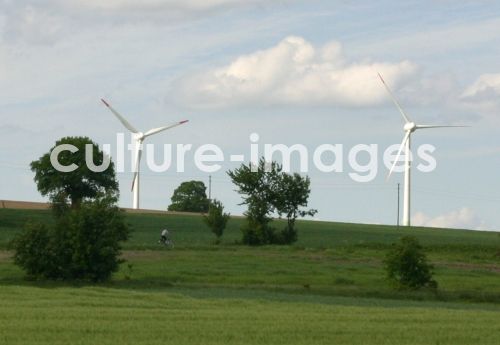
<point>397,222</point>
<point>210,188</point>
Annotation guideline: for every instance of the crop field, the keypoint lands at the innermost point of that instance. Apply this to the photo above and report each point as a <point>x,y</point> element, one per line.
<point>328,288</point>
<point>95,315</point>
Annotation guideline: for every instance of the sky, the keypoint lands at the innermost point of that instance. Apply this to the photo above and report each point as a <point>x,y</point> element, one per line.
<point>295,72</point>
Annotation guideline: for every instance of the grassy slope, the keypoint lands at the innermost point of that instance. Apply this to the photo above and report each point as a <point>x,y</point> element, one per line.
<point>201,293</point>
<point>331,258</point>
<point>189,231</point>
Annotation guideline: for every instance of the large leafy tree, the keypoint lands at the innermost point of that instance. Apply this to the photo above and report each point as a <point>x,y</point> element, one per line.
<point>267,190</point>
<point>190,196</point>
<point>84,241</point>
<point>77,185</point>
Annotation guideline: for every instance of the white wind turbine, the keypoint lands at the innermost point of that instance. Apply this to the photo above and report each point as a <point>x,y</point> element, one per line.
<point>138,137</point>
<point>408,128</point>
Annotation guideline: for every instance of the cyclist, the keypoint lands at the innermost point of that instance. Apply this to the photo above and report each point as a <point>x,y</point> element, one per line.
<point>164,236</point>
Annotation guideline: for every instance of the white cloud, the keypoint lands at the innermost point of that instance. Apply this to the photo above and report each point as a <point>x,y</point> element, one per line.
<point>434,40</point>
<point>483,97</point>
<point>134,5</point>
<point>463,218</point>
<point>155,5</point>
<point>47,22</point>
<point>32,24</point>
<point>294,72</point>
<point>485,88</point>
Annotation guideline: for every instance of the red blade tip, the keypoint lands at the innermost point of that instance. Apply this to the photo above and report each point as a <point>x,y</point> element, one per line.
<point>183,121</point>
<point>106,103</point>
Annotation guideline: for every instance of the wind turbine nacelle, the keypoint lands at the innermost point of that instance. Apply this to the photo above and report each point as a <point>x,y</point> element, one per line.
<point>410,127</point>
<point>138,136</point>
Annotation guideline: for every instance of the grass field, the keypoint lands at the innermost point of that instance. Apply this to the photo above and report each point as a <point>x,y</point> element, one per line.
<point>328,288</point>
<point>93,315</point>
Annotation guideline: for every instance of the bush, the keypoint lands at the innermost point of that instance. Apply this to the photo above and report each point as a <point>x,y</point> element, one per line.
<point>216,219</point>
<point>83,245</point>
<point>257,233</point>
<point>288,234</point>
<point>407,267</point>
<point>32,249</point>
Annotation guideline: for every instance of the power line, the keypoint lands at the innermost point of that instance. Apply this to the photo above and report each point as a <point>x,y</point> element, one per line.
<point>225,180</point>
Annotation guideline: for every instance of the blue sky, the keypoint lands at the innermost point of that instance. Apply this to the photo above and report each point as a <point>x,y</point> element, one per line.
<point>292,71</point>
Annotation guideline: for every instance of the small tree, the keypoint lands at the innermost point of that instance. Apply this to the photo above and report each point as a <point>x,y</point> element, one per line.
<point>190,196</point>
<point>216,219</point>
<point>266,189</point>
<point>77,185</point>
<point>407,267</point>
<point>292,194</point>
<point>256,184</point>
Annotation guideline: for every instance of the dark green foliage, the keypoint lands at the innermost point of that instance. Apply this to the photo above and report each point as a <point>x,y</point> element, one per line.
<point>292,194</point>
<point>266,189</point>
<point>84,241</point>
<point>32,249</point>
<point>216,219</point>
<point>255,233</point>
<point>84,244</point>
<point>79,184</point>
<point>255,184</point>
<point>407,267</point>
<point>190,196</point>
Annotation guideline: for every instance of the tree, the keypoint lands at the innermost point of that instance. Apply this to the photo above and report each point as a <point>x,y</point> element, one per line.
<point>216,219</point>
<point>77,185</point>
<point>190,196</point>
<point>85,241</point>
<point>84,244</point>
<point>266,189</point>
<point>256,184</point>
<point>292,194</point>
<point>407,267</point>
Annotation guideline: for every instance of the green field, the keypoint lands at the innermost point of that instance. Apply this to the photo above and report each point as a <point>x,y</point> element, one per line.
<point>328,288</point>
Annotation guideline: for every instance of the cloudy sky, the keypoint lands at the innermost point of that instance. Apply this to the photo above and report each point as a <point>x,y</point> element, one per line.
<point>295,72</point>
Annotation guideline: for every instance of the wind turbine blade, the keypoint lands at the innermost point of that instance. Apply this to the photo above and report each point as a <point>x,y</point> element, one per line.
<point>405,117</point>
<point>161,129</point>
<point>399,152</point>
<point>138,155</point>
<point>436,126</point>
<point>121,118</point>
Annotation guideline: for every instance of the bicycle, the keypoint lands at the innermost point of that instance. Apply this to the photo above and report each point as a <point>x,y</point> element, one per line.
<point>167,242</point>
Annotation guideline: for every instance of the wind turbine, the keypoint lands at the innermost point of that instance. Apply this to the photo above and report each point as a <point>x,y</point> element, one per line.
<point>138,137</point>
<point>409,127</point>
